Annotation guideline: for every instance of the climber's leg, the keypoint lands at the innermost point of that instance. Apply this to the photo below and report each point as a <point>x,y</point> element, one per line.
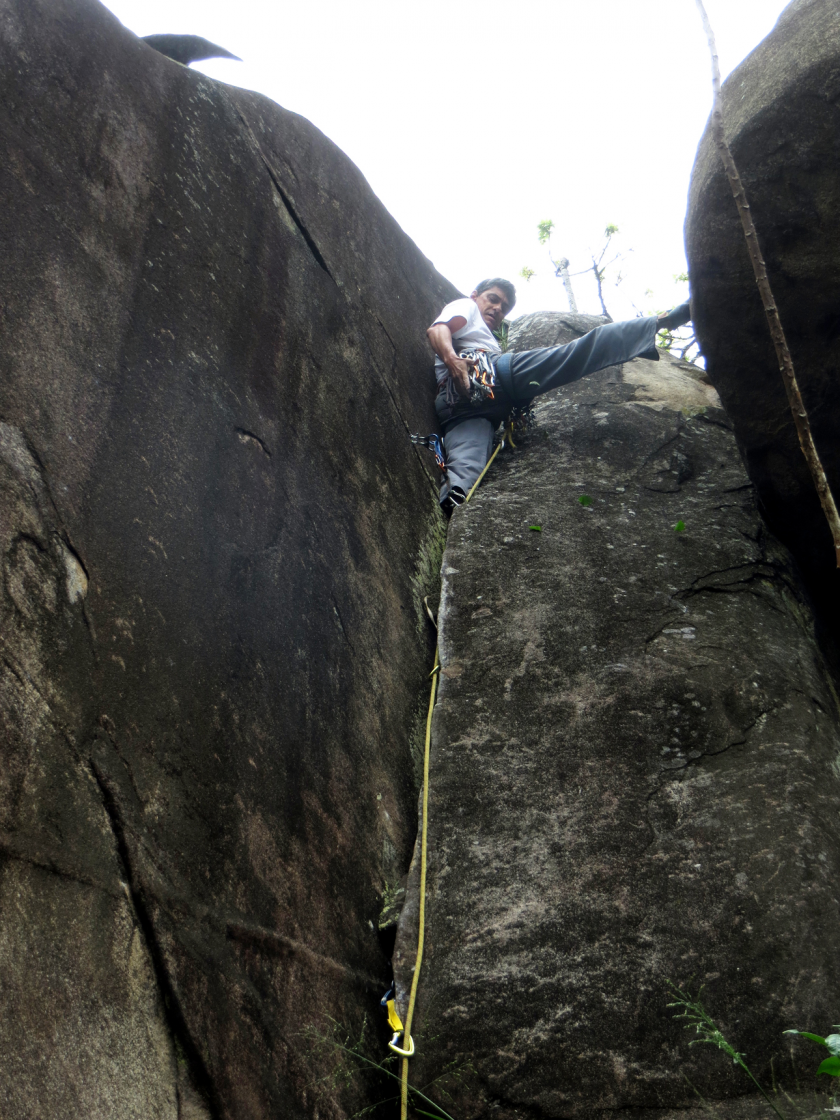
<point>467,447</point>
<point>530,373</point>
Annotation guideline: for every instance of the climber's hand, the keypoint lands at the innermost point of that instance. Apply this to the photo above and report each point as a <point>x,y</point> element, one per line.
<point>459,370</point>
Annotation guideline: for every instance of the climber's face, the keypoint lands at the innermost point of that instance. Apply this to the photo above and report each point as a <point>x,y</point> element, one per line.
<point>493,305</point>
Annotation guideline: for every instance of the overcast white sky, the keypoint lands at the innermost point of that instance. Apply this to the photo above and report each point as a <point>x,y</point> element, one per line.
<point>473,121</point>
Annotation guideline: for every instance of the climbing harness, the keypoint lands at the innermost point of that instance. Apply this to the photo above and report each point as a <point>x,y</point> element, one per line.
<point>434,443</point>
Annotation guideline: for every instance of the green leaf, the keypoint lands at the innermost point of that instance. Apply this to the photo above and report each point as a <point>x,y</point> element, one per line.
<point>679,527</point>
<point>831,1066</point>
<point>434,1115</point>
<point>534,383</point>
<point>813,1037</point>
<point>535,528</point>
<point>585,500</point>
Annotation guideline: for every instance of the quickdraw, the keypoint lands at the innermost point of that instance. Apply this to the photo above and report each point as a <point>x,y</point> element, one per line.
<point>522,418</point>
<point>395,1023</point>
<point>434,443</point>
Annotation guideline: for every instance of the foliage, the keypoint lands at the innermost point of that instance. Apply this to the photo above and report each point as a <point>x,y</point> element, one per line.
<point>392,900</point>
<point>349,1059</point>
<point>502,334</point>
<point>679,527</point>
<point>698,1019</point>
<point>585,500</point>
<point>830,1066</point>
<point>682,342</point>
<point>561,264</point>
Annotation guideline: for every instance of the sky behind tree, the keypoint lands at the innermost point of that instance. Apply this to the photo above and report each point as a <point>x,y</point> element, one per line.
<point>475,121</point>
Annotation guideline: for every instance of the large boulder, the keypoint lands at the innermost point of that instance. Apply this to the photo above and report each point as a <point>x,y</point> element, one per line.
<point>634,773</point>
<point>782,117</point>
<point>216,538</point>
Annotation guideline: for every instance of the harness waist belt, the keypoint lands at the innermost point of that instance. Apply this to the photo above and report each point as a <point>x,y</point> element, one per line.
<point>504,374</point>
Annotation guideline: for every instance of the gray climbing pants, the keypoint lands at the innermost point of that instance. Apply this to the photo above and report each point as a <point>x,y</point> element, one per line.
<point>467,447</point>
<point>468,438</point>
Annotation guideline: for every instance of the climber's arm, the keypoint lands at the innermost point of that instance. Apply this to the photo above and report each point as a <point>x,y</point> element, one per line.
<point>440,339</point>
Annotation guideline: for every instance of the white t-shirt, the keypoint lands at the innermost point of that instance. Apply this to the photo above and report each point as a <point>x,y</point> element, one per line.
<point>474,335</point>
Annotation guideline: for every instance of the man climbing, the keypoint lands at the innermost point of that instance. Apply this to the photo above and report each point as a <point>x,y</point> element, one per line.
<point>468,324</point>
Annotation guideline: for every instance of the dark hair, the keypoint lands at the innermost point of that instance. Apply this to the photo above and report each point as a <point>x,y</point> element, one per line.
<point>503,286</point>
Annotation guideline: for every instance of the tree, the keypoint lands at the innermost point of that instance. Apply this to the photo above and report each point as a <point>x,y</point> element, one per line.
<point>683,341</point>
<point>561,264</point>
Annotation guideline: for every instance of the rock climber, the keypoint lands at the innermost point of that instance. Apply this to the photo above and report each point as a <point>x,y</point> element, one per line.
<point>468,324</point>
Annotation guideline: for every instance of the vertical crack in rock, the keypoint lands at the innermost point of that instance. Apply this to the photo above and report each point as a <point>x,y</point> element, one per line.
<point>417,451</point>
<point>323,264</point>
<point>169,998</point>
<point>287,202</point>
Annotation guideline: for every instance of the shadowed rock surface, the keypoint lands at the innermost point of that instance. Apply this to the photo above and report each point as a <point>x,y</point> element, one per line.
<point>215,537</point>
<point>782,116</point>
<point>634,770</point>
<point>187,48</point>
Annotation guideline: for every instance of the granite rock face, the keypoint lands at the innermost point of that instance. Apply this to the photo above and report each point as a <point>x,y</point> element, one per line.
<point>634,771</point>
<point>782,117</point>
<point>213,653</point>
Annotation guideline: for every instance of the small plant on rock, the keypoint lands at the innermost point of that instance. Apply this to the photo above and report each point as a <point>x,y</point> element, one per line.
<point>698,1019</point>
<point>831,1042</point>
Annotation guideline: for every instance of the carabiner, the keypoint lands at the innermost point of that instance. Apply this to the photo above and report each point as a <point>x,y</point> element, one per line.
<point>392,1045</point>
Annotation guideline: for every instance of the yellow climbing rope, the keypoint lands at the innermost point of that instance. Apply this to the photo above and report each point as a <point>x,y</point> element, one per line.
<point>422,922</point>
<point>393,1018</point>
<point>507,436</point>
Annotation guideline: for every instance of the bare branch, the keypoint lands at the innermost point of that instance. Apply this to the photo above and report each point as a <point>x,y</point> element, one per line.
<point>561,269</point>
<point>797,406</point>
<point>598,280</point>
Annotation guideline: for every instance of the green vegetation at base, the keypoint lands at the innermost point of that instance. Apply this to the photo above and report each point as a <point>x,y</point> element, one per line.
<point>348,1059</point>
<point>698,1019</point>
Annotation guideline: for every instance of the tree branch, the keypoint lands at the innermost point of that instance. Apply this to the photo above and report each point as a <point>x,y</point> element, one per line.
<point>598,279</point>
<point>797,406</point>
<point>561,269</point>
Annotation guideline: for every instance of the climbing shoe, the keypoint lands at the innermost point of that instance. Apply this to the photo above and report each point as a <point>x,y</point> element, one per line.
<point>676,317</point>
<point>455,497</point>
